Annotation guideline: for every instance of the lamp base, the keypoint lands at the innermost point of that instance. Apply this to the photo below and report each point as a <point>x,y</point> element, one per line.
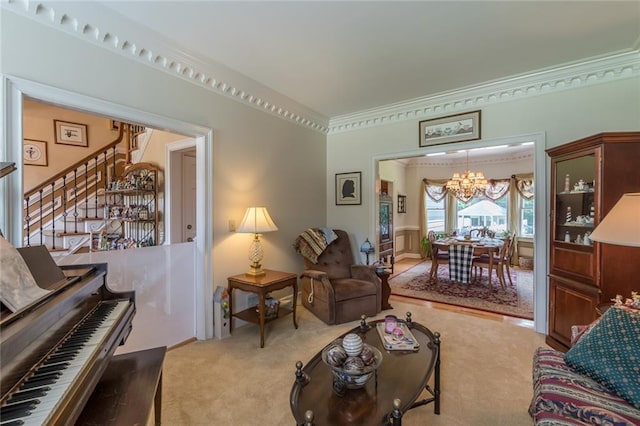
<point>255,272</point>
<point>255,256</point>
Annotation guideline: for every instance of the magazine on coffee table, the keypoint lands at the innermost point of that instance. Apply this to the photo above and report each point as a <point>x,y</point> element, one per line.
<point>402,340</point>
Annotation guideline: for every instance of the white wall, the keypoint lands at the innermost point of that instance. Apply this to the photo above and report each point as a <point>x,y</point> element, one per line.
<point>258,159</point>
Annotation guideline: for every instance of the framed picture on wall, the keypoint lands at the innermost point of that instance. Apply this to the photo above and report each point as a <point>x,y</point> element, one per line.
<point>402,203</point>
<point>68,133</point>
<point>34,153</point>
<point>348,189</point>
<point>449,129</point>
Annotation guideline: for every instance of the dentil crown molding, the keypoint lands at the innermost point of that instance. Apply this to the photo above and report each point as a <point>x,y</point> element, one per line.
<point>595,71</point>
<point>149,48</point>
<point>99,25</point>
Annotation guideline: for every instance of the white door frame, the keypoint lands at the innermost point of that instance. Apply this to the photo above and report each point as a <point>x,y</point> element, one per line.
<point>11,188</point>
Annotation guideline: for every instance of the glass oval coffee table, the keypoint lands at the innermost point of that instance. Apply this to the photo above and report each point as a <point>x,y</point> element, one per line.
<point>403,375</point>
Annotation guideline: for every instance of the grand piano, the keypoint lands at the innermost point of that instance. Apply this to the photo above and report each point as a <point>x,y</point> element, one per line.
<point>55,351</point>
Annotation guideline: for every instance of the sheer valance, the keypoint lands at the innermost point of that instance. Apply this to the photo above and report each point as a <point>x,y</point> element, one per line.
<point>435,189</point>
<point>524,185</point>
<point>497,189</point>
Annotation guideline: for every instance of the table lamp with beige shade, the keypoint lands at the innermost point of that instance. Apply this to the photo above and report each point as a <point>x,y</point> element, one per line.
<point>621,226</point>
<point>256,221</point>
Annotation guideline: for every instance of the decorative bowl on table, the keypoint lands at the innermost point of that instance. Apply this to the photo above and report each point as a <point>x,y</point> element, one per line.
<point>352,362</point>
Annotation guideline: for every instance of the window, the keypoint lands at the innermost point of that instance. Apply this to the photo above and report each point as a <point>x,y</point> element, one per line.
<point>492,210</point>
<point>526,217</point>
<point>482,213</point>
<point>435,215</point>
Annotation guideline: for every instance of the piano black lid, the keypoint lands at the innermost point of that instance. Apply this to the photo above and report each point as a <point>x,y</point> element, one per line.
<point>42,266</point>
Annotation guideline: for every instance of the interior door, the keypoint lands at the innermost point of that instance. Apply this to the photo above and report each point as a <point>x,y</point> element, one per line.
<point>188,196</point>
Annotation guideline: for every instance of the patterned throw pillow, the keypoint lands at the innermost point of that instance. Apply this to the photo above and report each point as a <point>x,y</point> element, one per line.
<point>610,353</point>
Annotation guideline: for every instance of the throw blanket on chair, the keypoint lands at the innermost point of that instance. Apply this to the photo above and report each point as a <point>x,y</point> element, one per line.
<point>312,242</point>
<point>460,259</point>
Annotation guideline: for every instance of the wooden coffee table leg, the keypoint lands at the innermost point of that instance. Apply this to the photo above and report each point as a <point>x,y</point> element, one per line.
<point>436,378</point>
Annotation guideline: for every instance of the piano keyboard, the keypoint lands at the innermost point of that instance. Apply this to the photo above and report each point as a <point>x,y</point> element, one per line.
<point>39,394</point>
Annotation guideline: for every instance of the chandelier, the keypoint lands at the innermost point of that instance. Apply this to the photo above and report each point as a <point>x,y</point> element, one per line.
<point>468,184</point>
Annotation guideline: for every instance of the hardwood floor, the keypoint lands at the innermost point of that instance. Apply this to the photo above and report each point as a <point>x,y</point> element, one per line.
<point>404,264</point>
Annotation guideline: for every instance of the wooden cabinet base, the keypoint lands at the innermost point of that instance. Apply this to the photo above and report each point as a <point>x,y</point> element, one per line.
<point>555,344</point>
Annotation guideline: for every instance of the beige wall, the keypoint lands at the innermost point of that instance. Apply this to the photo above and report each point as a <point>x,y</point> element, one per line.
<point>156,150</point>
<point>38,124</point>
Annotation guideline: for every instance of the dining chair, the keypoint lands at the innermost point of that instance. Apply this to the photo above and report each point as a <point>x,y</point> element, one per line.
<point>477,233</point>
<point>500,259</point>
<point>438,257</point>
<point>509,256</point>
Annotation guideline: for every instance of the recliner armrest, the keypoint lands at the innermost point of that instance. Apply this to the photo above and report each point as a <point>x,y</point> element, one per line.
<point>365,272</point>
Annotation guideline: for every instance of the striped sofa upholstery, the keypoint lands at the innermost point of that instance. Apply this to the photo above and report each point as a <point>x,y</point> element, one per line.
<point>562,396</point>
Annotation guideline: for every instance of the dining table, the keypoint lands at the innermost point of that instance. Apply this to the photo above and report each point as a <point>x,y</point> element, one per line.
<point>459,259</point>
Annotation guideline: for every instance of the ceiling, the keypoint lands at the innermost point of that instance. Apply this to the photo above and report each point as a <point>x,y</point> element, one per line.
<point>341,57</point>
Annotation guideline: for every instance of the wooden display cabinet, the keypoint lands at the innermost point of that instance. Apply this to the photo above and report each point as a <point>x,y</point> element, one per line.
<point>588,177</point>
<point>385,242</point>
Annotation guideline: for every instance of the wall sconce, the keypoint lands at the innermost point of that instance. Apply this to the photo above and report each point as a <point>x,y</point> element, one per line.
<point>367,248</point>
<point>256,221</point>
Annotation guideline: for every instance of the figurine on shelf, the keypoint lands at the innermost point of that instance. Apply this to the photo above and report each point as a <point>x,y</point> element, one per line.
<point>579,239</point>
<point>568,216</point>
<point>586,240</point>
<point>567,184</point>
<point>567,237</point>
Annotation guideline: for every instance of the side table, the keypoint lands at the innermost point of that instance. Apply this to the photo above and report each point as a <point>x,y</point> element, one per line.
<point>386,288</point>
<point>262,285</point>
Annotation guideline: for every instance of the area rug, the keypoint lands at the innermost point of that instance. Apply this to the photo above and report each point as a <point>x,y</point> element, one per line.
<point>516,300</point>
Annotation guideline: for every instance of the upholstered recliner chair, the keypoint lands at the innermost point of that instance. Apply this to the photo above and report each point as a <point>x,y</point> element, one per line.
<point>335,289</point>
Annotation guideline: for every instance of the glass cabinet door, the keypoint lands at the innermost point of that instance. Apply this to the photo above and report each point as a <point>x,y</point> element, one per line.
<point>575,189</point>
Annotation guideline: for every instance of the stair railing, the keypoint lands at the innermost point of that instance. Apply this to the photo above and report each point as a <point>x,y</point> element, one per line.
<point>55,195</point>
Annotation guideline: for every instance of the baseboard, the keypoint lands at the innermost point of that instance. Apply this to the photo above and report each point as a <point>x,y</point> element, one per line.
<point>408,256</point>
<point>184,342</point>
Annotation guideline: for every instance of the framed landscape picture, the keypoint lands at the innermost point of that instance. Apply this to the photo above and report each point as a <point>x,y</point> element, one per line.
<point>348,189</point>
<point>34,153</point>
<point>449,129</point>
<point>68,133</point>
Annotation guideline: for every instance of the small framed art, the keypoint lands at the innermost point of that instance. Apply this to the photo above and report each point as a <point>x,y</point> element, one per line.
<point>348,189</point>
<point>34,153</point>
<point>449,129</point>
<point>68,133</point>
<point>402,203</point>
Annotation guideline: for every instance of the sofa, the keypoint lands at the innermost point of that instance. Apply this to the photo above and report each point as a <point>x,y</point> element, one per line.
<point>597,381</point>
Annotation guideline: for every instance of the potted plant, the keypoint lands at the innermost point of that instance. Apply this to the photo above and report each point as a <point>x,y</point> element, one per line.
<point>425,247</point>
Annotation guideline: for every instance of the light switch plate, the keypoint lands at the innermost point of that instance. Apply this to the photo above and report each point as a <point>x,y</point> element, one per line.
<point>232,225</point>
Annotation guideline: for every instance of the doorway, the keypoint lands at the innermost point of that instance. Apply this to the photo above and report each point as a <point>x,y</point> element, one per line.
<point>181,191</point>
<point>383,171</point>
<point>11,188</point>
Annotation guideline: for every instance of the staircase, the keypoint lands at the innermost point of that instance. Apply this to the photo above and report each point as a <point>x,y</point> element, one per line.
<point>65,211</point>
